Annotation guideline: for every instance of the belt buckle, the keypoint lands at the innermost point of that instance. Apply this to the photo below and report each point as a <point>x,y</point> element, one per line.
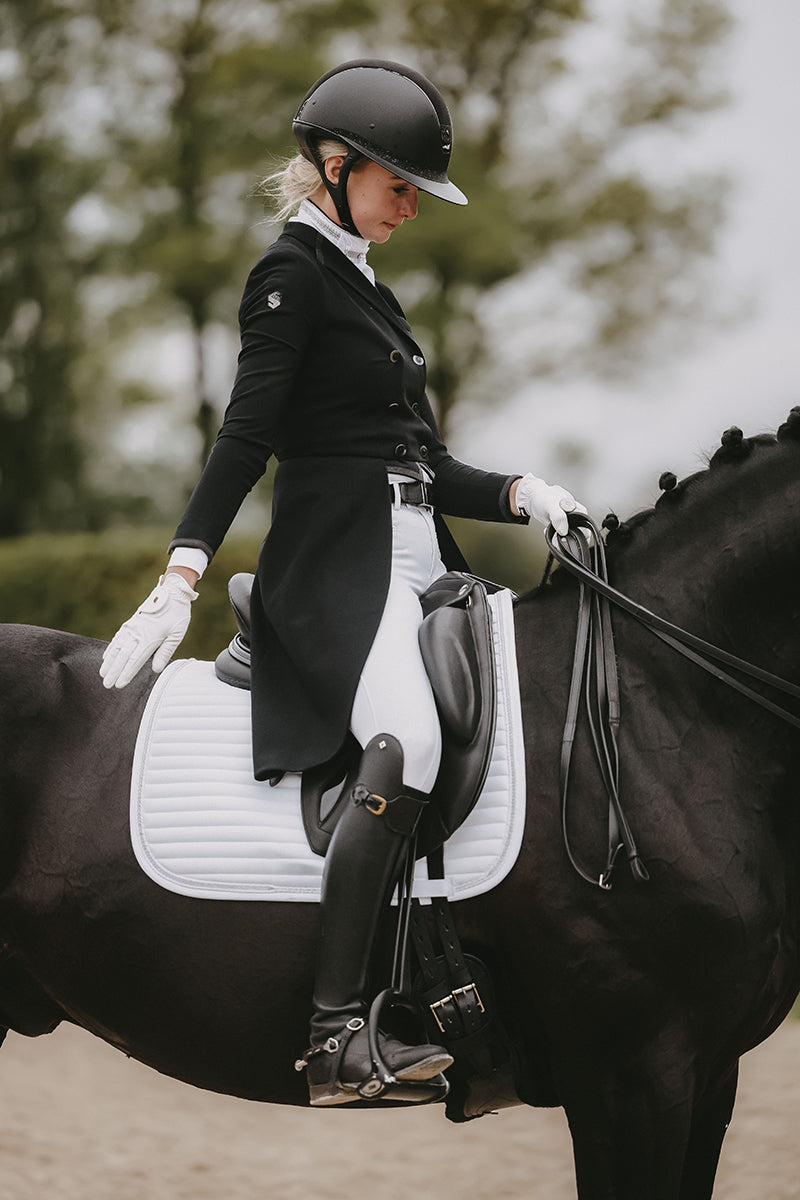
<point>418,497</point>
<point>424,489</point>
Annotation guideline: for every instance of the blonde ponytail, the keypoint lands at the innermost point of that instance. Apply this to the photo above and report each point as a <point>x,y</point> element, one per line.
<point>297,179</point>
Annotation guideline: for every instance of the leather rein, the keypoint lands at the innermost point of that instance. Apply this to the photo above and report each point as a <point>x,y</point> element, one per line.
<point>594,674</point>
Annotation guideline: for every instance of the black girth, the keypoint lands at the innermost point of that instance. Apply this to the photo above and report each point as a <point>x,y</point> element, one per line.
<point>594,667</point>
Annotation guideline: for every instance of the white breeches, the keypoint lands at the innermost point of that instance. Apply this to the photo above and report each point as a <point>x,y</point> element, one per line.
<point>394,694</point>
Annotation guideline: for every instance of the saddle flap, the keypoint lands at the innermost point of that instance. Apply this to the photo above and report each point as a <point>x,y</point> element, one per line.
<point>447,642</point>
<point>456,643</point>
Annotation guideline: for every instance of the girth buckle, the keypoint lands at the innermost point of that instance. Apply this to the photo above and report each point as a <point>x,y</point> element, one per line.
<point>453,998</point>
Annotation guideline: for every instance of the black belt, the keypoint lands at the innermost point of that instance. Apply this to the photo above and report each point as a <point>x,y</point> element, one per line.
<point>413,492</point>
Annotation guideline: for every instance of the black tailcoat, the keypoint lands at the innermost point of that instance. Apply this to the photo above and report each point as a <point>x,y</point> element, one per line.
<point>331,381</point>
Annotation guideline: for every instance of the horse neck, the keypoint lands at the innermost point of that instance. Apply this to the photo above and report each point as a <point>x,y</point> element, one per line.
<point>721,557</point>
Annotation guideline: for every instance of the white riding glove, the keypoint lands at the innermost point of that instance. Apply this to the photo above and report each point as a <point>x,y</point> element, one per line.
<point>159,625</point>
<point>548,503</point>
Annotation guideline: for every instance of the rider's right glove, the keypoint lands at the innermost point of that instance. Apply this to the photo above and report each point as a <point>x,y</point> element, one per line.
<point>547,502</point>
<point>157,628</point>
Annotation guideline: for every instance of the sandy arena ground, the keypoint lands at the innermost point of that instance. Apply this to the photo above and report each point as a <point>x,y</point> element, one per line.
<point>78,1121</point>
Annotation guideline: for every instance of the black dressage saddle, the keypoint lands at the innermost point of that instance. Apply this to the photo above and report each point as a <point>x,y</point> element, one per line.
<point>456,643</point>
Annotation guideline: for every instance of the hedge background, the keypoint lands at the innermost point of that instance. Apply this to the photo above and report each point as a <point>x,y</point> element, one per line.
<point>90,583</point>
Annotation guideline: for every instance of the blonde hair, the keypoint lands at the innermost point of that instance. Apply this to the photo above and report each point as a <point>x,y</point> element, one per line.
<point>296,179</point>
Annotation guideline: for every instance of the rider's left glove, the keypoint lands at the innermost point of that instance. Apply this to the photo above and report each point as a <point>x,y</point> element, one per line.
<point>157,628</point>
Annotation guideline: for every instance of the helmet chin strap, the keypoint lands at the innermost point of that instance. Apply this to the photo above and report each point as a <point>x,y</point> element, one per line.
<point>338,191</point>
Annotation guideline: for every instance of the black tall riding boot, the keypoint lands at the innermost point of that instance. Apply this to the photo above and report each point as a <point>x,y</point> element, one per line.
<point>362,865</point>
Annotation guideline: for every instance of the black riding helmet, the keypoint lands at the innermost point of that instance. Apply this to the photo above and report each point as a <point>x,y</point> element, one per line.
<point>386,112</point>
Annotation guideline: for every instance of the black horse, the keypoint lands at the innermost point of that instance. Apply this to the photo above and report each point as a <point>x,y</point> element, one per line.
<point>630,1007</point>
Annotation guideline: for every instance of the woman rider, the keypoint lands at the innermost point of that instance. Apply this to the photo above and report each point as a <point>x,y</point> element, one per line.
<point>331,381</point>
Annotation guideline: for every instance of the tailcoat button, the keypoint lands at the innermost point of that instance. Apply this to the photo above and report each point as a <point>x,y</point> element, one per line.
<point>419,360</point>
<point>401,451</point>
<point>423,451</point>
<point>395,356</point>
<point>393,406</point>
<point>415,408</point>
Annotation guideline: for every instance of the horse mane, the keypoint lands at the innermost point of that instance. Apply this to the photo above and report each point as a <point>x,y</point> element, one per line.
<point>734,448</point>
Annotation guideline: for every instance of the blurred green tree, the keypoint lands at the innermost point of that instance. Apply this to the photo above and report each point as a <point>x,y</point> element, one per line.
<point>132,134</point>
<point>41,326</point>
<point>203,103</point>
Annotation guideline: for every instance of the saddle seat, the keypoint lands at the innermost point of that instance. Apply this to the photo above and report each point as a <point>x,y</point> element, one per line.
<point>456,644</point>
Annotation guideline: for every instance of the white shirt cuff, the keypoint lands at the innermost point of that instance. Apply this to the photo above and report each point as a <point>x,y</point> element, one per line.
<point>189,556</point>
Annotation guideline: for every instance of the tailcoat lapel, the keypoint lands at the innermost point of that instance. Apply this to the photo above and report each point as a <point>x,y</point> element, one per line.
<point>333,260</point>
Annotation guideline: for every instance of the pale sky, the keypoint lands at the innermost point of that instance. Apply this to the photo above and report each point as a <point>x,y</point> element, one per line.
<point>748,375</point>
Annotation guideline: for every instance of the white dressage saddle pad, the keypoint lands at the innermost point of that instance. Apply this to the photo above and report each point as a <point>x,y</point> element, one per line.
<point>201,825</point>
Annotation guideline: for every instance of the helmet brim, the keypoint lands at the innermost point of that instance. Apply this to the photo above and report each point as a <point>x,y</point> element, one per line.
<point>442,187</point>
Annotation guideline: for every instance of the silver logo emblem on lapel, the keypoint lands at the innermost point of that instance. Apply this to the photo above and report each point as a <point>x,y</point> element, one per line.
<point>274,300</point>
